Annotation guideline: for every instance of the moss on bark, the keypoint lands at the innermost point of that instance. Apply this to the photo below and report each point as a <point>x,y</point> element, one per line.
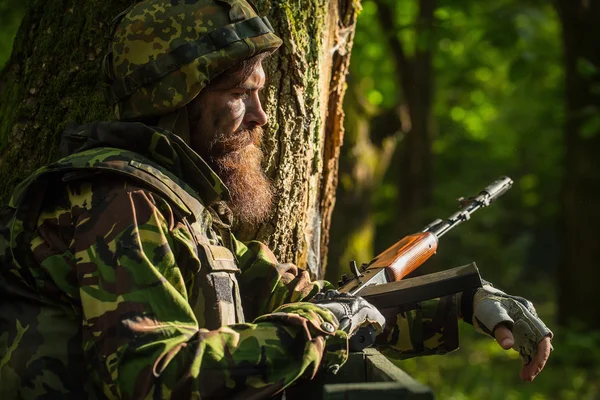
<point>51,80</point>
<point>304,95</point>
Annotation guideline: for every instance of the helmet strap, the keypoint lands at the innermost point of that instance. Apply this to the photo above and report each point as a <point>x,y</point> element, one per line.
<point>177,123</point>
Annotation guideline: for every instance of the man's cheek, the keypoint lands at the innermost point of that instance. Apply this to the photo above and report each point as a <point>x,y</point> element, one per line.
<point>236,111</point>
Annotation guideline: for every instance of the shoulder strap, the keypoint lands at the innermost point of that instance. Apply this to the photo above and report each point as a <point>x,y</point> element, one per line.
<point>130,164</point>
<point>19,217</point>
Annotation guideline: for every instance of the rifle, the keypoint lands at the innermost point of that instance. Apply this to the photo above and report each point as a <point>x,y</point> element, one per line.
<point>378,281</point>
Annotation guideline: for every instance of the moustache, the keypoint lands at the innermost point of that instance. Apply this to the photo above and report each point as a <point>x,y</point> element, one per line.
<point>236,141</point>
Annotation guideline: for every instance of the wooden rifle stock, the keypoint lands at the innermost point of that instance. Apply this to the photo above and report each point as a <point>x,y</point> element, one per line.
<point>393,264</point>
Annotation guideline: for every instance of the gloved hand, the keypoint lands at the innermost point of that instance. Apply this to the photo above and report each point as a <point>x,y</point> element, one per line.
<point>352,312</point>
<point>513,321</point>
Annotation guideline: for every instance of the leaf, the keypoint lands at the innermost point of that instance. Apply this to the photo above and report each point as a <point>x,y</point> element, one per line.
<point>375,97</point>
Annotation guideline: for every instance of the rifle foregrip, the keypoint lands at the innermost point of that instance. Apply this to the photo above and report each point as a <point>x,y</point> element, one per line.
<point>406,255</point>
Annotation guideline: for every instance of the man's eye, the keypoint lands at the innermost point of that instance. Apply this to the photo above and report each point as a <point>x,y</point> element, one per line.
<point>240,95</point>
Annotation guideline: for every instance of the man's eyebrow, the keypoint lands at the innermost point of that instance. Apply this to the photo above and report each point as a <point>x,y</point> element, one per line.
<point>246,86</point>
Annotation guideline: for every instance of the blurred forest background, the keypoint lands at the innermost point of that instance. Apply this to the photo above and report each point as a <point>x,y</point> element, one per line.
<point>445,96</point>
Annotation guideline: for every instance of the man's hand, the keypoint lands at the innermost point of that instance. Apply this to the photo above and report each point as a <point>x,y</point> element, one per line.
<point>514,323</point>
<point>505,339</point>
<point>352,312</point>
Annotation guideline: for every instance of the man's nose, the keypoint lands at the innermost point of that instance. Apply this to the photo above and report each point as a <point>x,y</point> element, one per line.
<point>255,115</point>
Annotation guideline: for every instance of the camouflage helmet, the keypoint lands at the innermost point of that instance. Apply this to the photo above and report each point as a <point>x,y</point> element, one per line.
<point>164,52</point>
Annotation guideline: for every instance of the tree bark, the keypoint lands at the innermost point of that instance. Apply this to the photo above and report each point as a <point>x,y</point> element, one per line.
<point>52,78</point>
<point>578,271</point>
<point>304,97</point>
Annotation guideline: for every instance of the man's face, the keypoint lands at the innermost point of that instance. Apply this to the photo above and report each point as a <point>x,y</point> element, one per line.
<point>225,129</point>
<point>225,110</point>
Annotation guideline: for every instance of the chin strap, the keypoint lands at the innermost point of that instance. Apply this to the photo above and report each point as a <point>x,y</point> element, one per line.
<point>177,122</point>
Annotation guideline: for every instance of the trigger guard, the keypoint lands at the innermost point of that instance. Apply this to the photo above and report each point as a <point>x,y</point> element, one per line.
<point>363,337</point>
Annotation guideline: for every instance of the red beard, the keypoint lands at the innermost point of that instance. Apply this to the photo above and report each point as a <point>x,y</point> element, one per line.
<point>236,158</point>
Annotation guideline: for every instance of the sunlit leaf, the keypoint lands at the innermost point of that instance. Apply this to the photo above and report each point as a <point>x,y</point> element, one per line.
<point>483,74</point>
<point>458,114</point>
<point>369,9</point>
<point>375,97</point>
<point>442,13</point>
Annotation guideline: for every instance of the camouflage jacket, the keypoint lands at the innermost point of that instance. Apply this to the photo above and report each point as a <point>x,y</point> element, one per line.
<point>102,295</point>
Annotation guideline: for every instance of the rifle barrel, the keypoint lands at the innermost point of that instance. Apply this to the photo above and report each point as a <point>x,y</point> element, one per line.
<point>483,199</point>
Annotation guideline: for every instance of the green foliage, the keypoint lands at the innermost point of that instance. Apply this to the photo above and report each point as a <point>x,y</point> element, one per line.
<point>372,69</point>
<point>11,13</point>
<point>498,110</point>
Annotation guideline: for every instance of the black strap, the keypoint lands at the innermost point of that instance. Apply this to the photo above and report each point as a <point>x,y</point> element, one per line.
<point>184,54</point>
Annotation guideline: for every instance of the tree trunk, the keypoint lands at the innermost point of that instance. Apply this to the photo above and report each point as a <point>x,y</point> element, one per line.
<point>578,271</point>
<point>305,90</point>
<point>52,78</point>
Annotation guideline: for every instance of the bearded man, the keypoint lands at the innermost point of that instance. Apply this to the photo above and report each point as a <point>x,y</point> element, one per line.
<point>120,276</point>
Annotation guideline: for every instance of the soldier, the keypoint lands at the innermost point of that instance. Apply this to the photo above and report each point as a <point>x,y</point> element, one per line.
<point>120,277</point>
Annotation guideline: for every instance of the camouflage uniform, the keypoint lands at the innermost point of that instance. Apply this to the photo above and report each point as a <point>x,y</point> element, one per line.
<point>118,277</point>
<point>104,295</point>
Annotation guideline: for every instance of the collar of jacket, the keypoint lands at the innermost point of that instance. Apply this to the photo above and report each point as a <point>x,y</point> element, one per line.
<point>163,147</point>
